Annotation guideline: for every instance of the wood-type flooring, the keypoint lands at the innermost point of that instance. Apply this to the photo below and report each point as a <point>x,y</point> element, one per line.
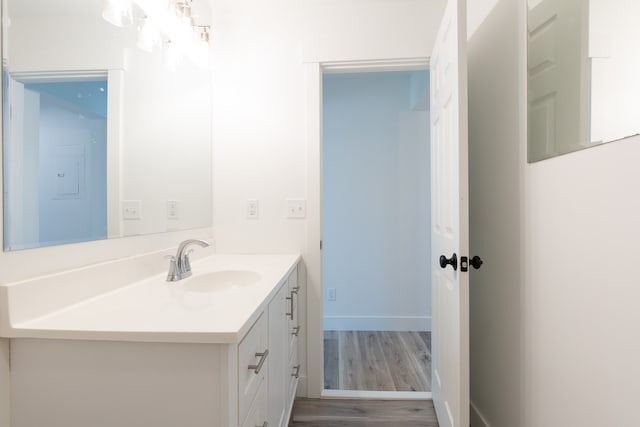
<point>361,413</point>
<point>377,361</point>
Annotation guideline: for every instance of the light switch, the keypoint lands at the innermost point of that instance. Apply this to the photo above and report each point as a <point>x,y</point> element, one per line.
<point>132,209</point>
<point>252,209</point>
<point>296,208</point>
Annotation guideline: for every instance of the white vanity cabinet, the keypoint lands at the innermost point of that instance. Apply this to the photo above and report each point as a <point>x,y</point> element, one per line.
<point>293,366</point>
<point>282,375</point>
<point>249,382</point>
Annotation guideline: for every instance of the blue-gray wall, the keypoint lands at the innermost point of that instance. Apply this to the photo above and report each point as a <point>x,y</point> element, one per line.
<point>376,199</point>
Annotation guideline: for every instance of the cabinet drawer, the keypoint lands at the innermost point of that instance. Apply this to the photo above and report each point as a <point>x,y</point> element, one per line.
<point>294,332</point>
<point>257,413</point>
<point>252,365</point>
<point>294,373</point>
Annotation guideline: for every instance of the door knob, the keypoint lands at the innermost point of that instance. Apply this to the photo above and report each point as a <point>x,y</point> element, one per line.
<point>453,261</point>
<point>476,262</point>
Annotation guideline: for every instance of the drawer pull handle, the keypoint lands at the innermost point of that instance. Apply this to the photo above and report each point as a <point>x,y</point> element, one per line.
<point>297,371</point>
<point>265,424</point>
<point>296,331</point>
<point>263,357</point>
<point>290,314</point>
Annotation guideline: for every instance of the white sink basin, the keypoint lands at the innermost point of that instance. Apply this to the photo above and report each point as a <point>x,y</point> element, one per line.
<point>217,281</point>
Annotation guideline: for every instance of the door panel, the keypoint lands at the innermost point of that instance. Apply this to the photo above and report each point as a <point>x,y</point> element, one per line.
<point>450,218</point>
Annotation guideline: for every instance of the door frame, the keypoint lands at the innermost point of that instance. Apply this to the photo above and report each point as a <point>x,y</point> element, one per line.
<point>313,382</point>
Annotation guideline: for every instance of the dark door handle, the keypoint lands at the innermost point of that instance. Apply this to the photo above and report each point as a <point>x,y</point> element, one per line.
<point>476,262</point>
<point>453,261</point>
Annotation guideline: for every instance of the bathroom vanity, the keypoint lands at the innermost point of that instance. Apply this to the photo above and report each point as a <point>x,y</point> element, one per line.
<point>216,349</point>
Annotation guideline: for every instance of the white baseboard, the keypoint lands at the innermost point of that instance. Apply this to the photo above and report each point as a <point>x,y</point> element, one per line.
<point>381,395</point>
<point>377,323</point>
<point>477,419</point>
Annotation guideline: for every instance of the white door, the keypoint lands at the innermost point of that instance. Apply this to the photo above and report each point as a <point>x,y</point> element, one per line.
<point>450,218</point>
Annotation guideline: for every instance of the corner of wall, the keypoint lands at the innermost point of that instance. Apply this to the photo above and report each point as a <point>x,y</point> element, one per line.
<point>5,419</point>
<point>477,419</point>
<point>495,199</point>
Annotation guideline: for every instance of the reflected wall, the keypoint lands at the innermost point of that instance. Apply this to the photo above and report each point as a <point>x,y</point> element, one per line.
<point>582,63</point>
<point>156,156</point>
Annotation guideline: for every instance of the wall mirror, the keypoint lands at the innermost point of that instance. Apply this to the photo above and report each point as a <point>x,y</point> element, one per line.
<point>101,139</point>
<point>583,66</point>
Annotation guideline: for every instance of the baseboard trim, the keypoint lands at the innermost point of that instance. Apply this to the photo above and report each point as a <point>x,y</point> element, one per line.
<point>477,419</point>
<point>386,395</point>
<point>377,323</point>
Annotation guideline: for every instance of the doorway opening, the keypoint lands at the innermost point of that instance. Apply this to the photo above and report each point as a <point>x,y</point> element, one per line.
<point>376,232</point>
<point>55,151</point>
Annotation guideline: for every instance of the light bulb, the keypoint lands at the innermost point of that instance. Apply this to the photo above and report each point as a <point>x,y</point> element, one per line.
<point>118,12</point>
<point>171,57</point>
<point>148,35</point>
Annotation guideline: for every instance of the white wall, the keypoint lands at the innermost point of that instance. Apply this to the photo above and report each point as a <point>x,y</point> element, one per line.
<point>259,103</point>
<point>575,229</point>
<point>376,215</point>
<point>166,143</point>
<point>495,163</point>
<point>582,294</point>
<point>615,89</point>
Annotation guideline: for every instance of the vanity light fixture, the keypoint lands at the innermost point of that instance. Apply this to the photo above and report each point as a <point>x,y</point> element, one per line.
<point>171,20</point>
<point>118,12</point>
<point>171,56</point>
<point>149,36</point>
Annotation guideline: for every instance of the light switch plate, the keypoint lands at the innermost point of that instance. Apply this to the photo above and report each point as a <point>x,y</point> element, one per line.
<point>132,209</point>
<point>296,208</point>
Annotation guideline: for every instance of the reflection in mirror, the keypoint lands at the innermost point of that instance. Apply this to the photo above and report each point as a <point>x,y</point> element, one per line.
<point>582,65</point>
<point>101,139</point>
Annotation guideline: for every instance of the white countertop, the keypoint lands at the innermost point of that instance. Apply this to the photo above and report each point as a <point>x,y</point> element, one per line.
<point>154,310</point>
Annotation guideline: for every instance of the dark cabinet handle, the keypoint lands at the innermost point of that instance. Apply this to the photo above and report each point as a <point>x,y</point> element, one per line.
<point>453,261</point>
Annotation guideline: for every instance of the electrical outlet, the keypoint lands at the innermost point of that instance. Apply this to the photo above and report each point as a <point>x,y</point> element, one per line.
<point>296,208</point>
<point>253,208</point>
<point>172,209</point>
<point>332,294</point>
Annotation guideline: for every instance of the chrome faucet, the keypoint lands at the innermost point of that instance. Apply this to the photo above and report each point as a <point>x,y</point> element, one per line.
<point>179,266</point>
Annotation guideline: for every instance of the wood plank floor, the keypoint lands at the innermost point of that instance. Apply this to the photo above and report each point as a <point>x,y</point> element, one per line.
<point>361,413</point>
<point>377,360</point>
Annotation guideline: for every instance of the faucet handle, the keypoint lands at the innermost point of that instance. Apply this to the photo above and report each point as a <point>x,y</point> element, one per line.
<point>186,263</point>
<point>172,275</point>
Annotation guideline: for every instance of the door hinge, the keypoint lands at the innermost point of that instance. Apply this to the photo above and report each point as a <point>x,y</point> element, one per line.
<point>320,244</point>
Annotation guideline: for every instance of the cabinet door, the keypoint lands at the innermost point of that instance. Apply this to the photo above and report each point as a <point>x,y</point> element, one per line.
<point>278,345</point>
<point>253,360</point>
<point>292,317</point>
